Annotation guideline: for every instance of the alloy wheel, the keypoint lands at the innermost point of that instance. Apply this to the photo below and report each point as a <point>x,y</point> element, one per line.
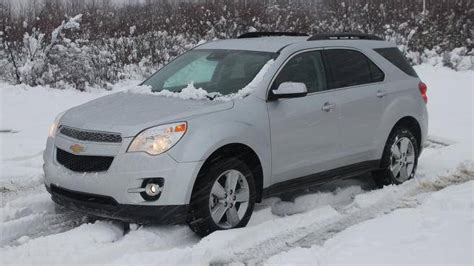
<point>229,199</point>
<point>402,160</point>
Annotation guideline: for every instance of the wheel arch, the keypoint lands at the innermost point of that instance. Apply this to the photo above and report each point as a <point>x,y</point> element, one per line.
<point>413,125</point>
<point>242,152</point>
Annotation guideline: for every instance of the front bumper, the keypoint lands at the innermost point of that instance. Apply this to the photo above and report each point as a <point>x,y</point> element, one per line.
<point>106,207</point>
<point>126,173</point>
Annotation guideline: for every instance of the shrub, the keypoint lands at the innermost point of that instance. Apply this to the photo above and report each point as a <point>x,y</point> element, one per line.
<point>40,45</point>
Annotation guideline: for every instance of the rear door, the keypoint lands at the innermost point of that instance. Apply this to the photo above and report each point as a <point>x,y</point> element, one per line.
<point>359,85</point>
<point>304,131</point>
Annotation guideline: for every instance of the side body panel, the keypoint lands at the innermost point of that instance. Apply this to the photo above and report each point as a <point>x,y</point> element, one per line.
<point>366,120</point>
<point>246,123</point>
<point>361,111</point>
<point>401,99</point>
<point>361,115</point>
<point>305,139</point>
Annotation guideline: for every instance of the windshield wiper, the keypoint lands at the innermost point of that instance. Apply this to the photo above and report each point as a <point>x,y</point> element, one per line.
<point>213,95</point>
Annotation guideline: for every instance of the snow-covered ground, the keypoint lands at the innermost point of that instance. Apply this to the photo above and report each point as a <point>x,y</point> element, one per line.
<point>428,220</point>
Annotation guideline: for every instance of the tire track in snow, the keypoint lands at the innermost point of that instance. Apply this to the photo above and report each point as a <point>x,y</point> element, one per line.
<point>434,142</point>
<point>37,225</point>
<point>33,216</point>
<point>388,199</point>
<point>15,191</point>
<point>26,178</point>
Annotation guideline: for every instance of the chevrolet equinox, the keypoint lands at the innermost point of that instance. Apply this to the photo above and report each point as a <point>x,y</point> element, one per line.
<point>281,111</point>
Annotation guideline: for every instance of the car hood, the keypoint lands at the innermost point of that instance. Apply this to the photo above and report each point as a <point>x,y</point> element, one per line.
<point>129,113</point>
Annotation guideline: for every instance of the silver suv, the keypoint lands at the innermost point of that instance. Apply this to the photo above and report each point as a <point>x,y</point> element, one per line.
<point>234,121</point>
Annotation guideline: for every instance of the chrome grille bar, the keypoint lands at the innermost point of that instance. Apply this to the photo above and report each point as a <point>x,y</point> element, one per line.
<point>94,136</point>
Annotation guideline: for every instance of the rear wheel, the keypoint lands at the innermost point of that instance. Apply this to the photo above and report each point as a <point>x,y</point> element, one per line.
<point>223,198</point>
<point>399,160</point>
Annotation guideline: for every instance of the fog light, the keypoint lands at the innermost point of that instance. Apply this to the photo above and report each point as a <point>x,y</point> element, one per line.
<point>152,189</point>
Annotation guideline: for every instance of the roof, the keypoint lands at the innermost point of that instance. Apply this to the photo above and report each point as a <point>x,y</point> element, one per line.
<point>275,44</point>
<point>263,44</point>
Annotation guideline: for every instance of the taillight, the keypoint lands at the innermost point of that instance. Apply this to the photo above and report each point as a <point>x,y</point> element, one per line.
<point>423,88</point>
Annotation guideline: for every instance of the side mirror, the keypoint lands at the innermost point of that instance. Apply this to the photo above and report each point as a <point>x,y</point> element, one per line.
<point>290,90</point>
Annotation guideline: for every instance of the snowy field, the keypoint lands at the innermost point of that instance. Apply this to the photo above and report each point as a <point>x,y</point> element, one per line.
<point>428,220</point>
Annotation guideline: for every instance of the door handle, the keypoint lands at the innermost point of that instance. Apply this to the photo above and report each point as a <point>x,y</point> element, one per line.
<point>327,107</point>
<point>381,93</point>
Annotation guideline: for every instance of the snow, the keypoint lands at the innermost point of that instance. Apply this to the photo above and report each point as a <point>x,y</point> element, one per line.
<point>450,101</point>
<point>190,92</point>
<point>133,29</point>
<point>425,234</point>
<point>29,112</point>
<point>72,23</point>
<point>428,220</point>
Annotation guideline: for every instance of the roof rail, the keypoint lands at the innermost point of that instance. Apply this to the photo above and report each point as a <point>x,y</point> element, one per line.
<point>344,36</point>
<point>269,34</point>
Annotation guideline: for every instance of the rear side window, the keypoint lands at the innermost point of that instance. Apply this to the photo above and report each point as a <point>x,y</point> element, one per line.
<point>396,57</point>
<point>350,68</point>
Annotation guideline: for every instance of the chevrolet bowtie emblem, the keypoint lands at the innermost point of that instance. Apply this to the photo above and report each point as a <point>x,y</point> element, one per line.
<point>77,148</point>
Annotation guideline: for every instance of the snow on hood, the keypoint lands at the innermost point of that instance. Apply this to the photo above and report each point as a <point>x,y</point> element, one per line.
<point>193,93</point>
<point>129,113</point>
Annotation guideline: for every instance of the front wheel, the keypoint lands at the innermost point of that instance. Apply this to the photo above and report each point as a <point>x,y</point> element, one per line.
<point>399,159</point>
<point>223,198</point>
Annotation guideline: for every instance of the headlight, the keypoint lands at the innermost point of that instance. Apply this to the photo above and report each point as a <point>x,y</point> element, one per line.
<point>54,126</point>
<point>157,140</point>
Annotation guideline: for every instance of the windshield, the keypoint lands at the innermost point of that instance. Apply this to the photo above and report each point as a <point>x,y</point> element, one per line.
<point>219,71</point>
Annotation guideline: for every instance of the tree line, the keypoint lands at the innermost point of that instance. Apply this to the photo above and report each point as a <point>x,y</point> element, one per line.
<point>46,43</point>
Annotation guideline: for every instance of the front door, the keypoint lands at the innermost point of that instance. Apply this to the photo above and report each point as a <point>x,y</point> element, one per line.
<point>305,133</point>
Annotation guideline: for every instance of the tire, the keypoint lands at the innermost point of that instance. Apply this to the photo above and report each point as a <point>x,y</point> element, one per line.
<point>398,164</point>
<point>213,197</point>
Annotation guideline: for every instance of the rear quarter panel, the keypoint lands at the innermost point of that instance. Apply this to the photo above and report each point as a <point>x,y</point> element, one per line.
<point>403,99</point>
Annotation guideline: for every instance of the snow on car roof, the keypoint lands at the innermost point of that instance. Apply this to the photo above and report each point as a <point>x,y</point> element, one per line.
<point>263,44</point>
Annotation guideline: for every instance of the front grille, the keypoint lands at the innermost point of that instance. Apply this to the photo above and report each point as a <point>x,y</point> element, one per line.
<point>84,197</point>
<point>83,163</point>
<point>90,135</point>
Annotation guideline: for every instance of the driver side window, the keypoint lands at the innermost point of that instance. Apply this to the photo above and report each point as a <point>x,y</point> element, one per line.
<point>306,68</point>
